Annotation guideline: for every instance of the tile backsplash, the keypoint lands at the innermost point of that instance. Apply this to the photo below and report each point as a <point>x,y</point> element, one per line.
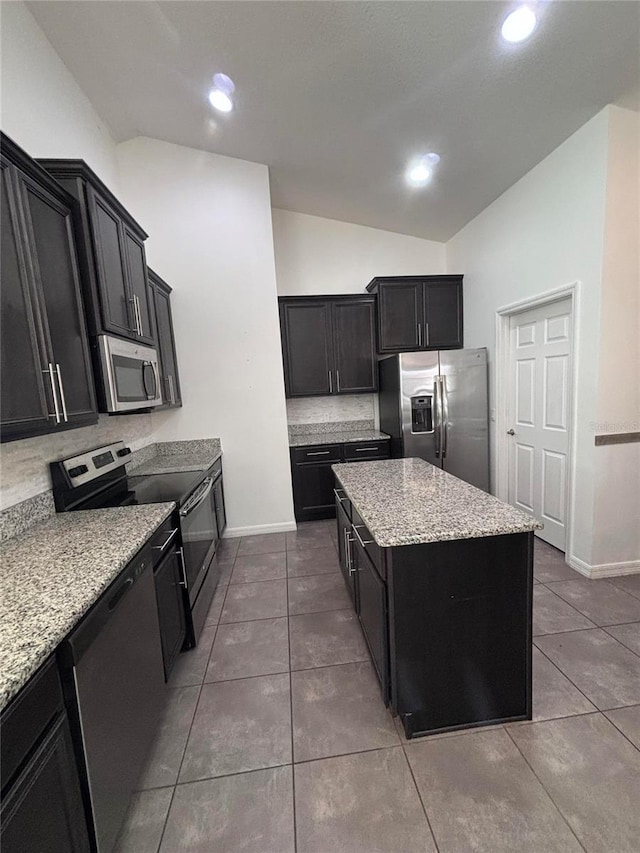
<point>350,407</point>
<point>25,464</point>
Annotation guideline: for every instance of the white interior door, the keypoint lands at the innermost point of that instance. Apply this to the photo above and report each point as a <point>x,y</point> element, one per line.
<point>539,415</point>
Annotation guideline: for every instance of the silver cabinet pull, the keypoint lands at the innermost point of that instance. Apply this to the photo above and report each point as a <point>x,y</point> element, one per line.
<point>172,393</point>
<point>166,541</point>
<point>364,449</point>
<point>419,335</point>
<point>140,331</point>
<point>338,380</point>
<point>347,545</point>
<point>132,300</point>
<point>62,399</point>
<point>318,452</point>
<point>360,540</point>
<point>330,384</point>
<point>56,409</point>
<point>426,334</point>
<point>183,582</point>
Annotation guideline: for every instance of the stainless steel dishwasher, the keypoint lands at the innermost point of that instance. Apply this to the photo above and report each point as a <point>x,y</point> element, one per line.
<point>115,690</point>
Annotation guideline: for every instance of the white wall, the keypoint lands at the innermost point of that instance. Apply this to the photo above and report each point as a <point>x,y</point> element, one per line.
<point>617,467</point>
<point>43,108</point>
<point>209,220</point>
<point>545,232</point>
<point>317,256</point>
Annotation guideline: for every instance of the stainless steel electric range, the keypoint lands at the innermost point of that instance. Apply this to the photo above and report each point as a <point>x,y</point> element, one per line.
<point>97,479</point>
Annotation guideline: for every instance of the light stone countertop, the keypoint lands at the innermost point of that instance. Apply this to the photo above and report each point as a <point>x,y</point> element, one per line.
<point>410,502</point>
<point>172,457</point>
<point>52,573</point>
<point>336,437</point>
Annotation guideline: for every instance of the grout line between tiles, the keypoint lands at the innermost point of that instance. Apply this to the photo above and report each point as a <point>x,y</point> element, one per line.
<point>613,723</point>
<point>544,788</point>
<point>195,711</point>
<point>293,774</point>
<point>424,808</point>
<point>570,680</point>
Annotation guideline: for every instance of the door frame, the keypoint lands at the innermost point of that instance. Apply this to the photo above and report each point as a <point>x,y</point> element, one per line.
<point>503,348</point>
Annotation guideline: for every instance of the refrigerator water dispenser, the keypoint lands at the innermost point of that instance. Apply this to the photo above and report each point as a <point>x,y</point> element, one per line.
<point>422,413</point>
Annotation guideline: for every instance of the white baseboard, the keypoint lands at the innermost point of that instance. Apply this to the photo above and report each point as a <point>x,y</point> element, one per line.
<point>604,570</point>
<point>253,530</point>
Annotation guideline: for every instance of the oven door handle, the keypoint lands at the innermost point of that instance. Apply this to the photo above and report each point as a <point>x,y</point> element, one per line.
<point>195,501</point>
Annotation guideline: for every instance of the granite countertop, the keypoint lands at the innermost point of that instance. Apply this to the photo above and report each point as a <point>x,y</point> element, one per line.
<point>336,437</point>
<point>52,573</point>
<point>173,457</point>
<point>410,501</point>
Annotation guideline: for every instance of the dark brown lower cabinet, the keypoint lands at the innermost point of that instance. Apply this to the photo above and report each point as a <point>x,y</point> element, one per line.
<point>42,807</point>
<point>43,811</point>
<point>171,615</point>
<point>448,624</point>
<point>313,479</point>
<point>372,611</point>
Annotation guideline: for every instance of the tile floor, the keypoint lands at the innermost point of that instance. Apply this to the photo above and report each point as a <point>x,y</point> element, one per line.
<point>275,738</point>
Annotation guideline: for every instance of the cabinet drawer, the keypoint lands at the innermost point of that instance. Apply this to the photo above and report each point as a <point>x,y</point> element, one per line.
<point>318,453</point>
<point>28,716</point>
<point>215,469</point>
<point>342,500</point>
<point>372,549</point>
<point>360,450</point>
<point>165,537</point>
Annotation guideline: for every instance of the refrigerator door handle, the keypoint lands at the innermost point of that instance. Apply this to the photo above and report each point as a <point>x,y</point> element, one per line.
<point>445,414</point>
<point>438,416</point>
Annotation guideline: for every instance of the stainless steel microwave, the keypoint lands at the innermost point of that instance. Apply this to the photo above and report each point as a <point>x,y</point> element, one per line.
<point>130,375</point>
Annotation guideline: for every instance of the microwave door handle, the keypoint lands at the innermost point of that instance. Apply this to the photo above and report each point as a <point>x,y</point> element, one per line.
<point>197,499</point>
<point>145,365</point>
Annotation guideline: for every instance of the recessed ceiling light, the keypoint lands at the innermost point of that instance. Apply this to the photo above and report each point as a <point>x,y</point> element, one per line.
<point>220,96</point>
<point>519,25</point>
<point>420,171</point>
<point>220,100</point>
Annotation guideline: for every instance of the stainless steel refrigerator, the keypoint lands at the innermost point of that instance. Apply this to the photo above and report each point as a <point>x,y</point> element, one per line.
<point>434,405</point>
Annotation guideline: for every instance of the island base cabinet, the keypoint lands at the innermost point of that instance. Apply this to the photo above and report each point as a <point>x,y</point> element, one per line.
<point>460,632</point>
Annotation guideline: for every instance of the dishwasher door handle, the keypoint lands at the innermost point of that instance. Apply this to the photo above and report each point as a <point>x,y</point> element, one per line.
<point>115,599</point>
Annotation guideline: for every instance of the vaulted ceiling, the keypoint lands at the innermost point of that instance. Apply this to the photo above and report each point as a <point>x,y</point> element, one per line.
<point>337,97</point>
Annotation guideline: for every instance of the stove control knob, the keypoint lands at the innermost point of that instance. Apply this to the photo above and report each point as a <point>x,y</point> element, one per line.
<point>125,451</point>
<point>78,471</point>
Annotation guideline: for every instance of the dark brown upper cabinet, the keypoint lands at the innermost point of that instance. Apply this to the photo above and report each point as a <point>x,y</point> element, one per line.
<point>111,251</point>
<point>328,345</point>
<point>161,302</point>
<point>46,381</point>
<point>418,312</point>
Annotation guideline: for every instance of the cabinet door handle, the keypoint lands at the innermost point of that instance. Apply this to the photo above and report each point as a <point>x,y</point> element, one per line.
<point>330,384</point>
<point>166,541</point>
<point>56,409</point>
<point>338,498</point>
<point>360,540</point>
<point>338,380</point>
<point>426,327</point>
<point>141,330</point>
<point>172,393</point>
<point>135,328</point>
<point>62,398</point>
<point>318,452</point>
<point>347,545</point>
<point>419,335</point>
<point>183,582</point>
<point>364,449</point>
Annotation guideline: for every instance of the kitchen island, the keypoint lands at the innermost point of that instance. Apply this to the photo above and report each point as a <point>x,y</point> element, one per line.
<point>441,576</point>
